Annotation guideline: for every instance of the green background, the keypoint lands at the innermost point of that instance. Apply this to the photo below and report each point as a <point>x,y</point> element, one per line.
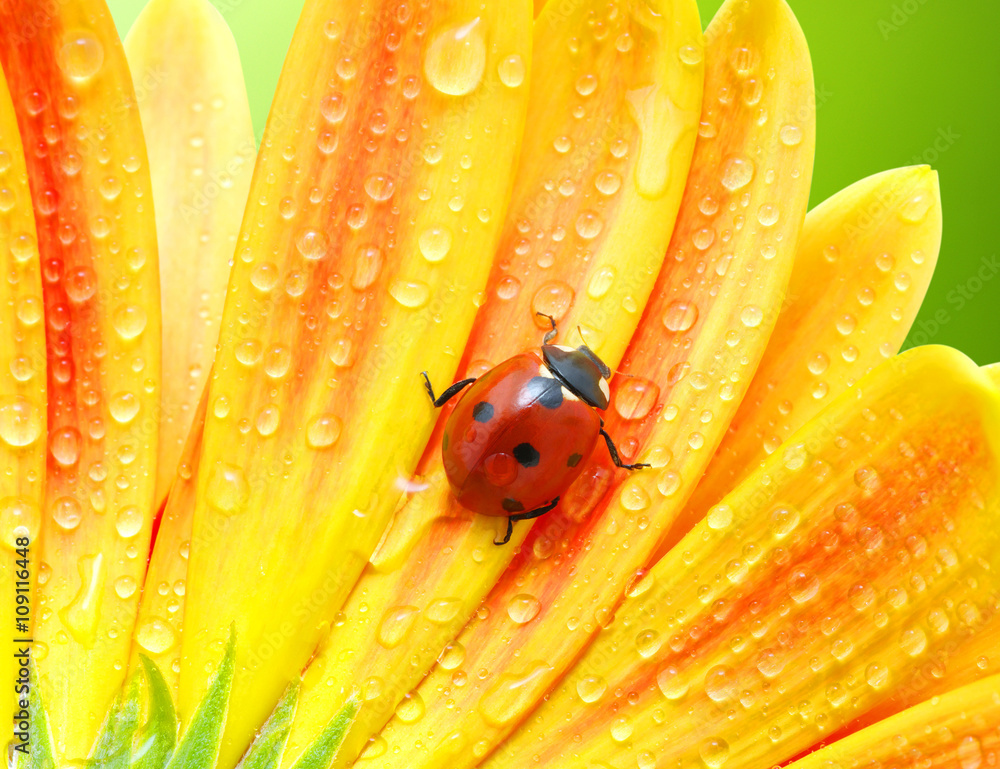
<point>892,77</point>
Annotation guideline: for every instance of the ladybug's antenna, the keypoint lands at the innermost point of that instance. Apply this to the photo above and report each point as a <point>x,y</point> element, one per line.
<point>551,334</point>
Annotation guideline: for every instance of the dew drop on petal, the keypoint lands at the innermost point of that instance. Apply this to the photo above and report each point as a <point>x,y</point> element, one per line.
<point>455,59</point>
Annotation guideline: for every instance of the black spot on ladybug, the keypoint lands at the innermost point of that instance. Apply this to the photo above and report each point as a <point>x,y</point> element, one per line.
<point>482,412</point>
<point>445,441</point>
<point>544,390</point>
<point>526,455</point>
<point>512,505</point>
<point>574,460</point>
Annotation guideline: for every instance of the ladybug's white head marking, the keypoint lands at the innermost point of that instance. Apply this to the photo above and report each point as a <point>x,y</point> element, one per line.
<point>568,394</point>
<point>564,348</point>
<point>605,389</point>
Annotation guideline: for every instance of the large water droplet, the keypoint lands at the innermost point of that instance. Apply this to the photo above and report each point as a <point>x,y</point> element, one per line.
<point>512,694</point>
<point>456,58</point>
<point>82,614</point>
<point>129,320</point>
<point>410,293</point>
<point>591,688</point>
<point>636,398</point>
<point>128,521</point>
<point>523,608</point>
<point>552,299</point>
<point>155,635</point>
<point>322,431</point>
<point>511,71</point>
<point>64,444</point>
<point>228,489</point>
<point>435,243</point>
<point>20,421</point>
<point>396,624</point>
<point>81,55</point>
<point>680,316</point>
<point>737,172</point>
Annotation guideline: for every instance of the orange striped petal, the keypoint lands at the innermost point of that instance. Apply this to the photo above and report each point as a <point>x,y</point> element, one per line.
<point>86,163</point>
<point>22,399</point>
<point>863,264</point>
<point>960,730</point>
<point>194,108</point>
<point>579,254</point>
<point>160,624</point>
<point>863,549</point>
<point>382,182</point>
<point>729,259</point>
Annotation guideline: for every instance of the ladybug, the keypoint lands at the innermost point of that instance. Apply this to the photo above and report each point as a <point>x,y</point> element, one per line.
<point>518,436</point>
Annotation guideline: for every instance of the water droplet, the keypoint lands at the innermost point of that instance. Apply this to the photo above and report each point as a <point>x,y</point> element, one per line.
<point>443,610</point>
<point>680,316</point>
<point>913,642</point>
<point>411,708</point>
<point>767,215</point>
<point>970,753</point>
<point>719,517</point>
<point>410,293</point>
<point>322,431</point>
<point>277,361</point>
<point>591,688</point>
<point>791,135</point>
<point>29,310</point>
<point>435,243</point>
<point>367,267</point>
<point>689,54</point>
<point>456,58</point>
<point>81,55</point>
<point>636,398</point>
<point>128,521</point>
<point>380,187</point>
<point>586,85</point>
<point>129,321</point>
<point>508,288</point>
<point>268,419</point>
<point>721,683</point>
<point>64,444</point>
<point>511,71</point>
<point>802,586</point>
<point>652,109</point>
<point>513,694</point>
<point>123,407</point>
<point>80,284</point>
<point>818,363</point>
<point>916,208</point>
<point>523,608</point>
<point>20,421</point>
<point>228,489</point>
<point>648,643</point>
<point>312,244</point>
<point>553,299</point>
<point>82,615</point>
<point>737,172</point>
<point>751,316</point>
<point>155,635</point>
<point>621,729</point>
<point>67,513</point>
<point>248,352</point>
<point>589,225</point>
<point>866,478</point>
<point>396,625</point>
<point>125,586</point>
<point>877,675</point>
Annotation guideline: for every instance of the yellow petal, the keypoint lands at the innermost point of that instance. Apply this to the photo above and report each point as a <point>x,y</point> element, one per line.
<point>89,179</point>
<point>958,730</point>
<point>160,623</point>
<point>316,410</point>
<point>855,555</point>
<point>705,320</point>
<point>993,372</point>
<point>614,125</point>
<point>22,401</point>
<point>862,267</point>
<point>194,108</point>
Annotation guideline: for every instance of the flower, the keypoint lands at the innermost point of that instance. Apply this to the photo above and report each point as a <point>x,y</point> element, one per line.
<point>816,534</point>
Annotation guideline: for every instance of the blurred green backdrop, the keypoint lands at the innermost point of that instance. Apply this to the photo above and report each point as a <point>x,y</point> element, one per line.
<point>898,82</point>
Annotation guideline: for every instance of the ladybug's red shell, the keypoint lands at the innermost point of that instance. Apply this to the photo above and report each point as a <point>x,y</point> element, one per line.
<point>516,439</point>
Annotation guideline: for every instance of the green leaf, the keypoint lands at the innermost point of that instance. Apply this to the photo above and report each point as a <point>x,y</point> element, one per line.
<point>265,753</point>
<point>159,734</point>
<point>39,750</point>
<point>321,753</point>
<point>114,744</point>
<point>199,747</point>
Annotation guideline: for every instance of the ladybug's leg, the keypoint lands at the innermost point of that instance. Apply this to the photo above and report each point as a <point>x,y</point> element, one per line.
<point>551,334</point>
<point>614,453</point>
<point>448,394</point>
<point>525,517</point>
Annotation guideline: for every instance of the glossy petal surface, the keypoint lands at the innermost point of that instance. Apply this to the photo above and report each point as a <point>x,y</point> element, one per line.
<point>386,119</point>
<point>721,266</point>
<point>193,103</point>
<point>587,254</point>
<point>89,181</point>
<point>864,548</point>
<point>959,730</point>
<point>22,399</point>
<point>862,268</point>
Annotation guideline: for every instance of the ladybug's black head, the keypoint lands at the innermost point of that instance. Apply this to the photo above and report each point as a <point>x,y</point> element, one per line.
<point>581,371</point>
